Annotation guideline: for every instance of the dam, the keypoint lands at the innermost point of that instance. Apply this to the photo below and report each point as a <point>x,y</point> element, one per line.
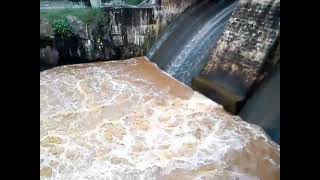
<point>163,90</point>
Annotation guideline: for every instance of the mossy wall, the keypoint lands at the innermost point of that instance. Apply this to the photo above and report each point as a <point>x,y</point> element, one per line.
<point>113,32</point>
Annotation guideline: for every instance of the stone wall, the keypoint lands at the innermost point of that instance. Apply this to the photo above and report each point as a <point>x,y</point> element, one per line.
<point>124,33</point>
<point>242,52</point>
<point>134,30</point>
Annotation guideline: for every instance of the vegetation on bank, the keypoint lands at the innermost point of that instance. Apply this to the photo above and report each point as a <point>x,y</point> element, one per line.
<point>87,15</point>
<point>62,28</point>
<point>134,2</point>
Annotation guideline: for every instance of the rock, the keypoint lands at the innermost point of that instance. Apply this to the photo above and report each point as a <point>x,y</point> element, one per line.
<point>45,29</point>
<point>92,37</point>
<point>49,56</point>
<point>95,3</point>
<point>78,26</point>
<point>129,120</point>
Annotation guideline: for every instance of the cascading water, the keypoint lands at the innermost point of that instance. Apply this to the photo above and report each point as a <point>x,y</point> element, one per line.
<point>184,49</point>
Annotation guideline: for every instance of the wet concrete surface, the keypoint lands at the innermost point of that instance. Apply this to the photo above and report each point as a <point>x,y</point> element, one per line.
<point>263,107</point>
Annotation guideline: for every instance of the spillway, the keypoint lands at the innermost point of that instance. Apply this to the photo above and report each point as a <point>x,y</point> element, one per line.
<point>185,47</point>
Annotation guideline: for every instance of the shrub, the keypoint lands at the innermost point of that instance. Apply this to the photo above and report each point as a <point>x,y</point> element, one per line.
<point>62,28</point>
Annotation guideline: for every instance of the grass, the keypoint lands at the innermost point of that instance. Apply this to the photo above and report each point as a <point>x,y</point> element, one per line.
<point>87,15</point>
<point>134,2</point>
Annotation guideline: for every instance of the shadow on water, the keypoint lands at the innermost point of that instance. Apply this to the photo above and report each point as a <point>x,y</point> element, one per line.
<point>263,107</point>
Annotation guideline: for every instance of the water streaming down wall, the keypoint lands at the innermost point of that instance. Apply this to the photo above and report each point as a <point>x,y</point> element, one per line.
<point>184,49</point>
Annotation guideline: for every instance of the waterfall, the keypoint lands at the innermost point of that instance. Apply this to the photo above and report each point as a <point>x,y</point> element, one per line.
<point>185,47</point>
